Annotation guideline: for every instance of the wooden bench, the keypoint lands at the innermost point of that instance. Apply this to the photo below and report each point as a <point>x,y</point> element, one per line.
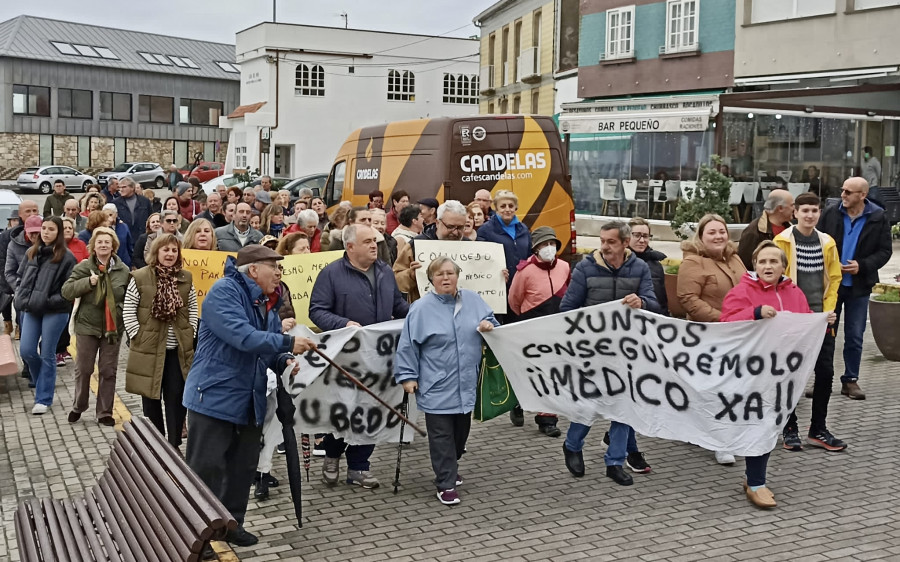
<point>147,506</point>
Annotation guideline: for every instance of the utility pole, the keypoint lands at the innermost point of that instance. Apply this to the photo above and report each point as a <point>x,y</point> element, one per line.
<point>344,16</point>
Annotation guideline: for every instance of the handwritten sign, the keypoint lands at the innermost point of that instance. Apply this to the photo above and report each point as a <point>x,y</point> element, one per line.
<point>207,268</point>
<point>724,386</point>
<point>482,265</point>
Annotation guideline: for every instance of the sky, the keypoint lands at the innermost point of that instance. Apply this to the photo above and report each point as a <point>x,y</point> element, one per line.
<point>219,20</point>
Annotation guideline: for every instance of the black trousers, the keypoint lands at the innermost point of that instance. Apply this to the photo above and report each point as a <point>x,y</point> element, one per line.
<point>224,455</point>
<point>824,377</point>
<point>172,392</point>
<point>447,435</point>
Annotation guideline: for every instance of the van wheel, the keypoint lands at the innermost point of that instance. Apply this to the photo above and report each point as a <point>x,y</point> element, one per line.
<point>45,188</point>
<point>160,182</point>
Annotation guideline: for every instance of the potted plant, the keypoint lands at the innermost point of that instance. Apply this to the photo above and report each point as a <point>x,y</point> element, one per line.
<point>671,278</point>
<point>712,193</point>
<point>884,317</point>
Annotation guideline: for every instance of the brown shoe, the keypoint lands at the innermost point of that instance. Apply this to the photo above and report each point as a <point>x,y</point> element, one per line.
<point>763,497</point>
<point>8,328</point>
<point>852,391</point>
<point>18,332</point>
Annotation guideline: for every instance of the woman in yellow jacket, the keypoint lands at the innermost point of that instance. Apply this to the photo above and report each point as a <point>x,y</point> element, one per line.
<point>814,265</point>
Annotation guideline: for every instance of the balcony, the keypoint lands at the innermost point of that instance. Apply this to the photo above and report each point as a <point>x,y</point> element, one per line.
<point>528,66</point>
<point>486,79</point>
<point>620,57</point>
<point>673,50</point>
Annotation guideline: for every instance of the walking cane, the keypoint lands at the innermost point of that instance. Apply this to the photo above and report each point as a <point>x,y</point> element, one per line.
<point>405,407</point>
<point>367,390</point>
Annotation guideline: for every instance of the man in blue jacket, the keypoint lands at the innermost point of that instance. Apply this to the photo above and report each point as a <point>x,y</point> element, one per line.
<point>133,209</point>
<point>612,273</point>
<point>356,290</point>
<point>225,391</point>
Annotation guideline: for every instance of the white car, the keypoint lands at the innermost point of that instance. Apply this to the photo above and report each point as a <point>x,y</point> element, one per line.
<point>9,202</point>
<point>42,178</point>
<point>141,172</point>
<point>228,179</point>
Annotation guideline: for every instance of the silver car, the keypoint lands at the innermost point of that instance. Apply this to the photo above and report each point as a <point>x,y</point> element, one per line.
<point>141,172</point>
<point>42,178</point>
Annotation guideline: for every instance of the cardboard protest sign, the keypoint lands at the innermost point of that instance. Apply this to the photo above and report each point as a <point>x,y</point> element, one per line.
<point>482,264</point>
<point>300,273</point>
<point>327,402</point>
<point>724,386</point>
<point>206,267</point>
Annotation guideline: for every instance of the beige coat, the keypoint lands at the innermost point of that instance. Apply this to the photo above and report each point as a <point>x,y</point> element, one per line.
<point>703,281</point>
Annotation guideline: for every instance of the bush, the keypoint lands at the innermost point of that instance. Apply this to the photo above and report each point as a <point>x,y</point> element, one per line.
<point>672,269</point>
<point>890,294</point>
<point>713,190</point>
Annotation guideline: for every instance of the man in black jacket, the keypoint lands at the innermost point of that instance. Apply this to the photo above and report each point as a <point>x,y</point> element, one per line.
<point>863,236</point>
<point>26,209</point>
<point>133,209</point>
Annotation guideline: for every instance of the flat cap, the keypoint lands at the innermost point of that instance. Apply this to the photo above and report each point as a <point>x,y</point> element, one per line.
<point>256,253</point>
<point>264,197</point>
<point>429,202</point>
<point>181,187</point>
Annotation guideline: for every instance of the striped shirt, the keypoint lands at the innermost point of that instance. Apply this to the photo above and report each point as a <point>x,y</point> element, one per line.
<point>130,319</point>
<point>810,268</point>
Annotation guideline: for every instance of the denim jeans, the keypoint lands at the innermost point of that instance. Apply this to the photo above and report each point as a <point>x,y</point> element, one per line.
<point>621,441</point>
<point>45,328</point>
<point>855,311</point>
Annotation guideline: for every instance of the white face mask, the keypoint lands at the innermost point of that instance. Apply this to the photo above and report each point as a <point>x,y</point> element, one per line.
<point>547,253</point>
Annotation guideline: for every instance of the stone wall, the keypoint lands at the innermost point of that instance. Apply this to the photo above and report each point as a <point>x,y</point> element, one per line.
<point>103,152</point>
<point>17,151</point>
<point>149,150</point>
<point>65,150</point>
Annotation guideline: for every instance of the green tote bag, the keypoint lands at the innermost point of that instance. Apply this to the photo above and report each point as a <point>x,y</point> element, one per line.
<point>494,395</point>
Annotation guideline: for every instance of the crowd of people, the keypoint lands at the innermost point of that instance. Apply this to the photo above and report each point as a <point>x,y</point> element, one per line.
<point>117,252</point>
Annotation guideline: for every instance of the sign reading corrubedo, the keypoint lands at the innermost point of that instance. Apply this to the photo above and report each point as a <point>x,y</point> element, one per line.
<point>482,265</point>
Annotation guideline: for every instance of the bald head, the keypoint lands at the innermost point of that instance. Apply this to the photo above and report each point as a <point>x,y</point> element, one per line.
<point>853,195</point>
<point>857,183</point>
<point>26,209</point>
<point>780,206</point>
<point>484,200</point>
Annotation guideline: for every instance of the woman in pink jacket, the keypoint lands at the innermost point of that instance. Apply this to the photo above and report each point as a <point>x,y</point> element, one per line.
<point>537,289</point>
<point>762,294</point>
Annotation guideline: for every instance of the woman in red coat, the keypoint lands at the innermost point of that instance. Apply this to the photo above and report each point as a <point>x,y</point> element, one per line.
<point>76,246</point>
<point>761,294</point>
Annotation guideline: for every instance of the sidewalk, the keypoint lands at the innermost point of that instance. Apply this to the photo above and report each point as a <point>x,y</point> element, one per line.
<point>519,502</point>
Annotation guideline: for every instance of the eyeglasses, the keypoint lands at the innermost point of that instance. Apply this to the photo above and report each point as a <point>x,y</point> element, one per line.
<point>849,192</point>
<point>642,236</point>
<point>275,266</point>
<point>452,228</point>
<point>171,221</point>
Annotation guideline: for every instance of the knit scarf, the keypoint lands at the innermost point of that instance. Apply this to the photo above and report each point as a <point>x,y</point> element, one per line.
<point>275,229</point>
<point>167,300</point>
<point>103,293</point>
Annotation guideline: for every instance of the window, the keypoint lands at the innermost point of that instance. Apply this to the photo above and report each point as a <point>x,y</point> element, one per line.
<point>162,60</point>
<point>115,107</point>
<point>620,33</point>
<point>309,80</point>
<point>681,26</point>
<point>84,152</point>
<point>401,86</point>
<point>86,51</point>
<point>75,103</point>
<point>868,4</point>
<point>106,53</point>
<point>45,149</point>
<point>118,151</point>
<point>199,112</point>
<point>776,10</point>
<point>490,107</point>
<point>155,109</point>
<point>228,67</point>
<point>179,153</point>
<point>31,100</point>
<point>517,104</point>
<point>64,48</point>
<point>535,101</point>
<point>460,88</point>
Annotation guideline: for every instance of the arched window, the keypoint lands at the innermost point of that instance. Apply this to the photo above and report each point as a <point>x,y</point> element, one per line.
<point>401,86</point>
<point>309,80</point>
<point>460,88</point>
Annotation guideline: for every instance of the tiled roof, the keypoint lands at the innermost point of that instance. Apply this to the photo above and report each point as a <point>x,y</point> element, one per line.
<point>242,110</point>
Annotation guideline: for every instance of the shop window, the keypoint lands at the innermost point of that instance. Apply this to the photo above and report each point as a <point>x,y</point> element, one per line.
<point>681,26</point>
<point>762,11</point>
<point>401,86</point>
<point>31,100</point>
<point>619,33</point>
<point>115,106</point>
<point>199,112</point>
<point>460,88</point>
<point>309,80</point>
<point>84,152</point>
<point>155,109</point>
<point>77,104</point>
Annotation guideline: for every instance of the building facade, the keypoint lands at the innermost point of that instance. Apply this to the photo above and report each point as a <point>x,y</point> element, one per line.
<point>650,73</point>
<point>815,84</point>
<point>92,97</point>
<point>304,89</point>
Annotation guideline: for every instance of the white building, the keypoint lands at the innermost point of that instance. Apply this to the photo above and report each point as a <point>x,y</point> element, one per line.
<point>304,89</point>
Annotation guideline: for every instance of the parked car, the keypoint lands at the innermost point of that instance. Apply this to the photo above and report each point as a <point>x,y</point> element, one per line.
<point>9,202</point>
<point>42,178</point>
<point>205,171</point>
<point>228,179</point>
<point>277,182</point>
<point>141,172</point>
<point>315,182</point>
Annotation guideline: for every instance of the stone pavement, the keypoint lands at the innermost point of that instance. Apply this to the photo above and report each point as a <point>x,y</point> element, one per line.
<point>518,500</point>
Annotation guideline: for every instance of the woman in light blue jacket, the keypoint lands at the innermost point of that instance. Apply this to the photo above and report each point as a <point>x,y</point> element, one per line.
<point>437,359</point>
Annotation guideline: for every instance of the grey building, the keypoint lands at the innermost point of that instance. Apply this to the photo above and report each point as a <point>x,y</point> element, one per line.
<point>93,97</point>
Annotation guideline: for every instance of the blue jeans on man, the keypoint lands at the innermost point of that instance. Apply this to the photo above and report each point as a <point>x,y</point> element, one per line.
<point>855,311</point>
<point>621,441</point>
<point>45,328</point>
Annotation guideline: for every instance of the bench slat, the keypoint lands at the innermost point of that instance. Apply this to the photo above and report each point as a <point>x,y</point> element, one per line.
<point>146,537</point>
<point>95,532</point>
<point>43,530</point>
<point>76,528</point>
<point>26,534</point>
<point>120,527</point>
<point>64,540</point>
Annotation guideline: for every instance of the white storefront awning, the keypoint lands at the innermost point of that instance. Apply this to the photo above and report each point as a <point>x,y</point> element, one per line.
<point>636,122</point>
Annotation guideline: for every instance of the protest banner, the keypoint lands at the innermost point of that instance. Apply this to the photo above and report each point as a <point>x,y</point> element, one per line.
<point>482,264</point>
<point>206,267</point>
<point>327,402</point>
<point>300,273</point>
<point>723,386</point>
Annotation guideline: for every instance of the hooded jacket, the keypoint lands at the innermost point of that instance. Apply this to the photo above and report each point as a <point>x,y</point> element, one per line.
<point>239,338</point>
<point>15,255</point>
<point>516,249</point>
<point>41,281</point>
<point>595,282</point>
<point>745,301</point>
<point>5,238</point>
<point>653,258</point>
<point>832,272</point>
<point>538,288</point>
<point>440,348</point>
<point>756,232</point>
<point>703,281</point>
<point>873,248</point>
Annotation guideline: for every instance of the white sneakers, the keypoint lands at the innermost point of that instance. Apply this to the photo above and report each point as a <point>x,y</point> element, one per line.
<point>724,458</point>
<point>39,409</point>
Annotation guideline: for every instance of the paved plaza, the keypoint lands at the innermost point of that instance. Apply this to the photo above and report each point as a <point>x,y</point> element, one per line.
<point>518,500</point>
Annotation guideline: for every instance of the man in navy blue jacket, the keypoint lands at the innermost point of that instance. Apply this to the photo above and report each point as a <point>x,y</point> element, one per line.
<point>133,209</point>
<point>356,290</point>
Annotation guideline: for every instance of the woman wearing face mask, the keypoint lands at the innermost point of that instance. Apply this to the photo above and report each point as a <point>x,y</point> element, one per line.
<point>537,290</point>
<point>640,245</point>
<point>762,294</point>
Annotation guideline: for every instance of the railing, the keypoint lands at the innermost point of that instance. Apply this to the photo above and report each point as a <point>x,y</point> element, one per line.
<point>528,65</point>
<point>670,49</point>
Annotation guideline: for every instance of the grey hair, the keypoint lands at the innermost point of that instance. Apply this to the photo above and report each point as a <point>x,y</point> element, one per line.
<point>69,220</point>
<point>245,269</point>
<point>127,181</point>
<point>307,216</point>
<point>111,207</point>
<point>621,226</point>
<point>775,199</point>
<point>304,192</point>
<point>348,236</point>
<point>168,213</point>
<point>438,263</point>
<point>451,206</point>
<point>265,176</point>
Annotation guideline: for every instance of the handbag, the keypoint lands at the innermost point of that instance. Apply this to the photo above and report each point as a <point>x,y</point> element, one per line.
<point>494,396</point>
